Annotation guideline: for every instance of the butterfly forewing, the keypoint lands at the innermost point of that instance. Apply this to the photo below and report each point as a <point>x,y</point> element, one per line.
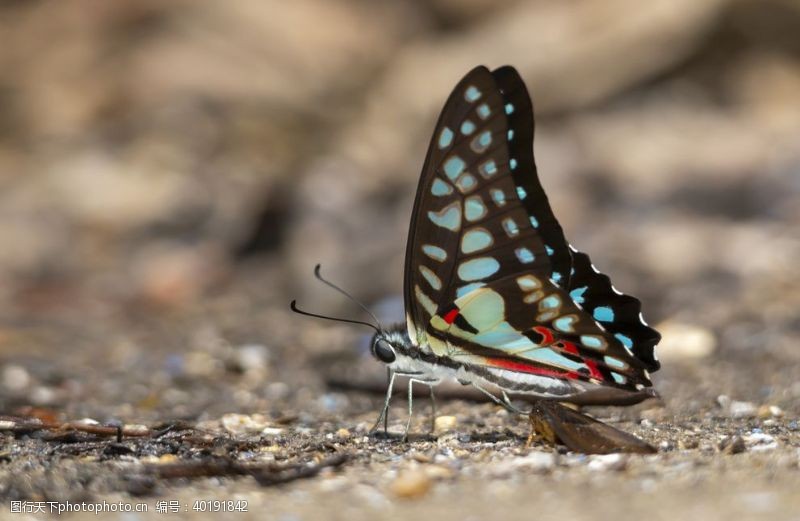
<point>490,279</point>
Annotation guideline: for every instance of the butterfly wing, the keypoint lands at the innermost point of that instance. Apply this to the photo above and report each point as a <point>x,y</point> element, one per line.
<point>490,280</point>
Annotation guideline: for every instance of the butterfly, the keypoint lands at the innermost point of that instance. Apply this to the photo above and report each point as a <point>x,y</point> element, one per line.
<point>495,296</point>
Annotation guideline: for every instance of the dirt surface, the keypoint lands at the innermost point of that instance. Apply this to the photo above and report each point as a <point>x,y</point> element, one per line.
<point>170,174</point>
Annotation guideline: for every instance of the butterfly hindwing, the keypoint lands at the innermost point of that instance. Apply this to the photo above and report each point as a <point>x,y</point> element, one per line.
<point>490,278</point>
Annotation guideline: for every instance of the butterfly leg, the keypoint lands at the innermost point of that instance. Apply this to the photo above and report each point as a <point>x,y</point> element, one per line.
<point>505,404</point>
<point>433,409</point>
<point>384,415</point>
<point>410,401</point>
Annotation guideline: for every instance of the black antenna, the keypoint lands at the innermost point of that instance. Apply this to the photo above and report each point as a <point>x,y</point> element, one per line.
<point>346,294</point>
<point>294,307</point>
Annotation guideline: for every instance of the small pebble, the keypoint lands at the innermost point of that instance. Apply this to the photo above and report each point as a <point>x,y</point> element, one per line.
<point>343,433</point>
<point>135,428</point>
<point>411,484</point>
<point>444,424</point>
<point>244,424</point>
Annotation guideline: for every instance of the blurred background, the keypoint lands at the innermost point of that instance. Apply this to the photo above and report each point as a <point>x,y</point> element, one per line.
<point>170,173</point>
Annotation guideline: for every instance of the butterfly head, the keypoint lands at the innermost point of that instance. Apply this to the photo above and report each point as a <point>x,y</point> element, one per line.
<point>382,349</point>
<point>392,346</point>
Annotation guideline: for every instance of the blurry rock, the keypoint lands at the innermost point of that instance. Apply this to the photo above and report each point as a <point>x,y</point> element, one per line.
<point>606,462</point>
<point>682,341</point>
<point>42,395</point>
<point>444,424</point>
<point>739,409</point>
<point>760,442</point>
<point>200,364</point>
<point>15,377</point>
<point>770,411</point>
<point>438,472</point>
<point>252,358</point>
<point>733,445</point>
<point>411,484</point>
<point>537,461</point>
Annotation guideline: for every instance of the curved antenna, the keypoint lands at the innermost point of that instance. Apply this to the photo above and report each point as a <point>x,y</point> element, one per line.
<point>294,307</point>
<point>346,294</point>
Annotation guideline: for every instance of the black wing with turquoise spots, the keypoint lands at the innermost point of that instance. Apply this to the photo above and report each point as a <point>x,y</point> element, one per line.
<point>490,280</point>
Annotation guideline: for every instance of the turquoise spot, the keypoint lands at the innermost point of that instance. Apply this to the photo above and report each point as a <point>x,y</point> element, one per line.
<point>472,93</point>
<point>556,276</point>
<point>513,163</point>
<point>551,302</point>
<point>550,357</point>
<point>434,252</point>
<point>577,294</point>
<point>489,168</point>
<point>475,240</point>
<point>603,314</point>
<point>454,166</point>
<point>477,269</point>
<point>466,182</point>
<point>445,138</point>
<point>534,222</point>
<point>521,192</point>
<point>509,108</point>
<point>510,135</point>
<point>467,128</point>
<point>498,196</point>
<point>440,188</point>
<point>613,362</point>
<point>548,249</point>
<point>617,378</point>
<point>565,324</point>
<point>449,217</point>
<point>482,142</point>
<point>592,341</point>
<point>474,209</point>
<point>463,290</point>
<point>524,255</point>
<point>483,111</point>
<point>626,340</point>
<point>510,227</point>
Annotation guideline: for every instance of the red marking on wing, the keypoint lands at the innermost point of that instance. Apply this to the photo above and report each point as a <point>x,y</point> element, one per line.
<point>451,315</point>
<point>522,367</point>
<point>593,370</point>
<point>570,348</point>
<point>546,334</point>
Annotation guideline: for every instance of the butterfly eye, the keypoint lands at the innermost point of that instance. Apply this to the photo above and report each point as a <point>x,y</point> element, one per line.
<point>383,351</point>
